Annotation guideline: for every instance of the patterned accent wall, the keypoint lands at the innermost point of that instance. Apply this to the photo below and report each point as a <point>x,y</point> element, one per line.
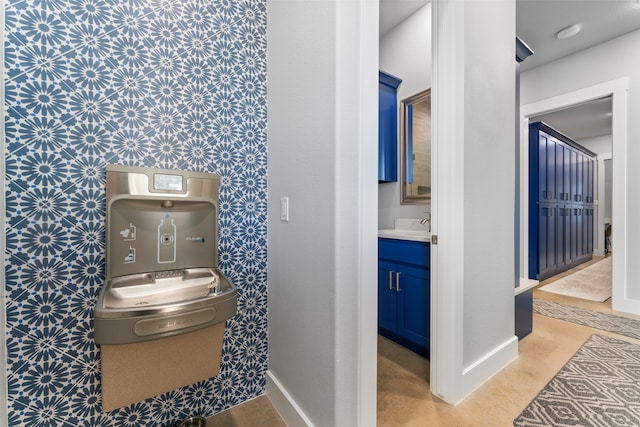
<point>176,84</point>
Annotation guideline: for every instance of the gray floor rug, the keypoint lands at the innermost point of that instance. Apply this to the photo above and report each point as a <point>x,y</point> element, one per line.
<point>593,319</point>
<point>599,386</point>
<point>591,283</point>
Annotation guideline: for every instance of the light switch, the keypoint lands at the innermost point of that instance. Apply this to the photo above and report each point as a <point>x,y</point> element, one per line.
<point>284,209</point>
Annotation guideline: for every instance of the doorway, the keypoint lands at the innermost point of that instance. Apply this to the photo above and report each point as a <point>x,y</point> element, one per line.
<point>615,89</point>
<point>579,273</point>
<point>404,52</point>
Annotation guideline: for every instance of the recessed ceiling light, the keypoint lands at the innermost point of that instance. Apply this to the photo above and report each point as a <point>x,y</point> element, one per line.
<point>571,31</point>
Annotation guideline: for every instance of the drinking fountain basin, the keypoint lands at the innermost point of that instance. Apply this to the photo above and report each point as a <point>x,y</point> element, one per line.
<point>143,307</point>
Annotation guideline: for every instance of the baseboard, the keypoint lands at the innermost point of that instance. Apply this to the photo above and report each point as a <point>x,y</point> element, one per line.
<point>625,305</point>
<point>484,369</point>
<point>284,404</point>
<point>524,285</point>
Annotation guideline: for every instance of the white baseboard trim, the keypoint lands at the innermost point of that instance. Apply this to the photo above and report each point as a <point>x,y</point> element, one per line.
<point>525,285</point>
<point>625,305</point>
<point>287,408</point>
<point>485,368</point>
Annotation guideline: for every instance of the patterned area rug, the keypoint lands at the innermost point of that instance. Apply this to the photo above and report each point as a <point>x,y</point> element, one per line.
<point>593,319</point>
<point>592,283</point>
<point>599,386</point>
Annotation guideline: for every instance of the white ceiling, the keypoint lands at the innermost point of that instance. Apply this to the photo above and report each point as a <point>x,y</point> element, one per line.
<point>393,12</point>
<point>582,121</point>
<point>537,23</point>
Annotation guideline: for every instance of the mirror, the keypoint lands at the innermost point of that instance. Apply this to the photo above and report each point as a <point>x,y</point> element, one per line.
<point>415,148</point>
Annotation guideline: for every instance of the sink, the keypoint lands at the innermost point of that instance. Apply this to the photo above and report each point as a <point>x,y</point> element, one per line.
<point>408,229</point>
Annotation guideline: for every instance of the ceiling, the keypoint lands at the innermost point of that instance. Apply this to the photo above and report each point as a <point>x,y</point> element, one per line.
<point>537,23</point>
<point>582,121</point>
<point>393,12</point>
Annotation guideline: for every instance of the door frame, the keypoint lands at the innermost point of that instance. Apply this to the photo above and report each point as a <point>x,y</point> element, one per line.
<point>617,89</point>
<point>598,246</point>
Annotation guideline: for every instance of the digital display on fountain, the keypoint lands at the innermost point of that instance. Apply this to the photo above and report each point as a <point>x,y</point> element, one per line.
<point>167,182</point>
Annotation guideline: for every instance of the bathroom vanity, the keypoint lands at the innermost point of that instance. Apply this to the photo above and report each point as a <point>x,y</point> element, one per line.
<point>404,288</point>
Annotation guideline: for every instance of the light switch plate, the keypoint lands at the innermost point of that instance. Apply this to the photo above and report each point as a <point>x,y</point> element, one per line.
<point>284,209</point>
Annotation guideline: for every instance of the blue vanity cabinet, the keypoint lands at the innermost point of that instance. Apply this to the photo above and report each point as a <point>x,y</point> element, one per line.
<point>388,127</point>
<point>404,293</point>
<point>387,296</point>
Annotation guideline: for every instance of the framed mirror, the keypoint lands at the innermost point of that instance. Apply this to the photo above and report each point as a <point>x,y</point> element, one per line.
<point>415,149</point>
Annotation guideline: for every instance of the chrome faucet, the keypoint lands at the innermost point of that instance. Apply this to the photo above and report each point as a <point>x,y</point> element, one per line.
<point>427,219</point>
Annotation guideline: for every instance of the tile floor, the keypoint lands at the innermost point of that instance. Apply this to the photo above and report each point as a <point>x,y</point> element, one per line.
<point>255,412</point>
<point>403,379</point>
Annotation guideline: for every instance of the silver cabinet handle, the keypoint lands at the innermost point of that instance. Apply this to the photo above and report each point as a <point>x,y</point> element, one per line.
<point>398,282</point>
<point>390,280</point>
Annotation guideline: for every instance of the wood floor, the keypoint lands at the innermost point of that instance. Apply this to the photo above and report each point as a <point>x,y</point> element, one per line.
<point>403,379</point>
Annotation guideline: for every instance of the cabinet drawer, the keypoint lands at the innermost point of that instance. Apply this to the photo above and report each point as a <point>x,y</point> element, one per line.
<point>404,251</point>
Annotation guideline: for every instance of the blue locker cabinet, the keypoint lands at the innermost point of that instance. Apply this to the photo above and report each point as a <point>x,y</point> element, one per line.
<point>561,202</point>
<point>388,127</point>
<point>404,293</point>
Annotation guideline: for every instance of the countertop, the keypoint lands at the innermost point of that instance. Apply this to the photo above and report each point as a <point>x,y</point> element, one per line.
<point>414,235</point>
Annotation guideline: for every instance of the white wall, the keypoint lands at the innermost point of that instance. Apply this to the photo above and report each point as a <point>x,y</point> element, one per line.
<point>405,52</point>
<point>608,61</point>
<point>488,191</point>
<point>473,262</point>
<point>322,139</point>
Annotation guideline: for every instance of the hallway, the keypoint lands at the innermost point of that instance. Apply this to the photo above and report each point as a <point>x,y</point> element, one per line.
<point>403,389</point>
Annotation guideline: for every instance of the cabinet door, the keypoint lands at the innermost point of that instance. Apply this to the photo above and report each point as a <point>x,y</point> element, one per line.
<point>589,177</point>
<point>547,168</point>
<point>413,304</point>
<point>563,234</point>
<point>387,297</point>
<point>547,238</point>
<point>563,172</point>
<point>574,175</point>
<point>577,232</point>
<point>387,128</point>
<point>579,178</point>
<point>588,230</point>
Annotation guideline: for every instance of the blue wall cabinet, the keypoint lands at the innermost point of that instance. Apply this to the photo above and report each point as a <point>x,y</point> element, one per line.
<point>563,241</point>
<point>547,242</point>
<point>404,293</point>
<point>388,127</point>
<point>561,202</point>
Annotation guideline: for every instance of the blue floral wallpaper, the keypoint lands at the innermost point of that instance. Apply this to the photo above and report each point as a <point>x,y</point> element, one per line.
<point>162,83</point>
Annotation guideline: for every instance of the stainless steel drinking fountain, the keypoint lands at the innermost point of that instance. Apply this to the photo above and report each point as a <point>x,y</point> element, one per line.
<point>162,276</point>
